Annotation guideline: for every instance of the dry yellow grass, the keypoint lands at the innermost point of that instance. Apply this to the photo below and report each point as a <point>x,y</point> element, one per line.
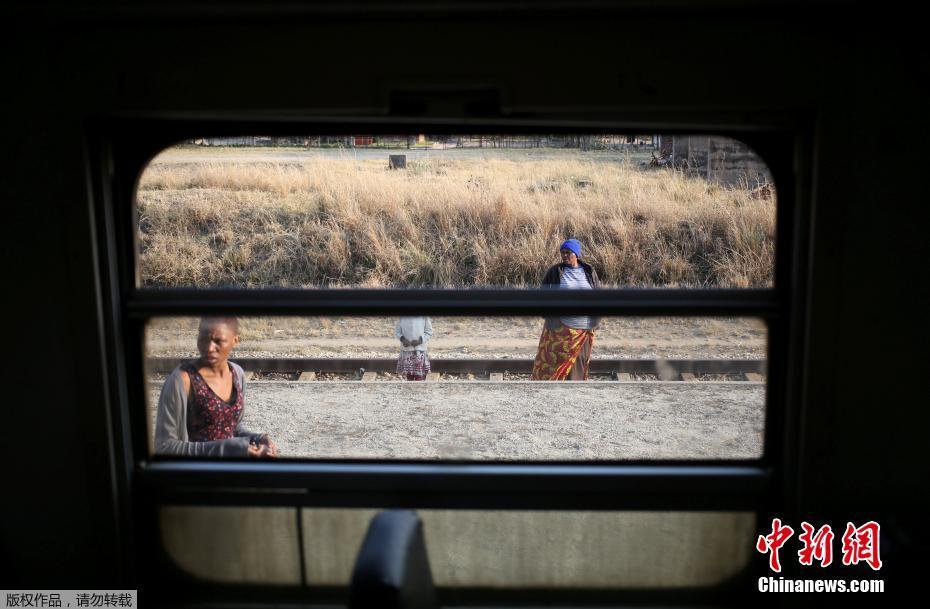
<point>444,223</point>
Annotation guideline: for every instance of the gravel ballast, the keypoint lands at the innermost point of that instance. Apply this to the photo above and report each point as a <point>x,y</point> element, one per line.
<point>508,421</point>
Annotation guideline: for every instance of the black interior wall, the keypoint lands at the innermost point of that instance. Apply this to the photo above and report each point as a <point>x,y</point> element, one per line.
<point>847,75</point>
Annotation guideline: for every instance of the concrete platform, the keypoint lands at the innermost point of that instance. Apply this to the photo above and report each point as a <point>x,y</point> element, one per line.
<point>509,420</point>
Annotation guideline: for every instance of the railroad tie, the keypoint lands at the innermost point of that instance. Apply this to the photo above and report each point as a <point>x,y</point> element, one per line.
<point>307,376</point>
<point>496,377</point>
<point>753,376</point>
<point>667,370</point>
<point>688,376</point>
<point>622,376</point>
<point>369,376</point>
<point>432,376</point>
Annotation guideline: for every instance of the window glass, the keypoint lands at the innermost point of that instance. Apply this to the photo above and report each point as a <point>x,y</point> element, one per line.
<point>455,211</point>
<point>246,545</point>
<point>468,548</point>
<point>475,388</point>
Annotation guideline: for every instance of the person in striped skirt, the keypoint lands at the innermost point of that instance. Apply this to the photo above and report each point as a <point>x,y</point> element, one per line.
<point>414,334</point>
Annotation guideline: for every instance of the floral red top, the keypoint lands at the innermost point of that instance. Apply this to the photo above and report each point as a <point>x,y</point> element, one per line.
<point>209,417</point>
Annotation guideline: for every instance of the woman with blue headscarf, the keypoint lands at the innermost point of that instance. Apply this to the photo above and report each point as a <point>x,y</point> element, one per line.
<point>565,345</point>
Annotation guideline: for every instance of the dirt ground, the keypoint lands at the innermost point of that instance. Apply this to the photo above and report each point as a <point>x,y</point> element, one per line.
<point>245,154</point>
<point>508,421</point>
<point>464,337</point>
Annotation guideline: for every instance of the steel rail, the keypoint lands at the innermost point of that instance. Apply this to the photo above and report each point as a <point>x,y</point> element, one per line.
<point>480,366</point>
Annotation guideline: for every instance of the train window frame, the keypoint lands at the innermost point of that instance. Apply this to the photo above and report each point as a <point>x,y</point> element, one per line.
<point>119,151</point>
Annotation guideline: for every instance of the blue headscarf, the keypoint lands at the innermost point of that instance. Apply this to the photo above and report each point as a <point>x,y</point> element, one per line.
<point>573,245</point>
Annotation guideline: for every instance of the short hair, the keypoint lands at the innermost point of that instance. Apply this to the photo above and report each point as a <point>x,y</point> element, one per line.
<point>232,322</point>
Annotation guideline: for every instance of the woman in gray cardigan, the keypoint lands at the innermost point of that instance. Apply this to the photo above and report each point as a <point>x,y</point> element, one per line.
<point>201,403</point>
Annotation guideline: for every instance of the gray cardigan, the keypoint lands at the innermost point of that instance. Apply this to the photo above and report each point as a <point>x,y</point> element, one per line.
<point>171,423</point>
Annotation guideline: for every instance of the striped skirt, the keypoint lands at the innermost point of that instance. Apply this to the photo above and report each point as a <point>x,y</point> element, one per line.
<point>413,364</point>
<point>563,354</point>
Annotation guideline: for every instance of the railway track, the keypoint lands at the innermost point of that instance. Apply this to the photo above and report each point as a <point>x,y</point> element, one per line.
<point>620,369</point>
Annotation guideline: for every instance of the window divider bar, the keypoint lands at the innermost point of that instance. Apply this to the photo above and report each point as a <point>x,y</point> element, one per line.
<point>647,302</point>
<point>461,486</point>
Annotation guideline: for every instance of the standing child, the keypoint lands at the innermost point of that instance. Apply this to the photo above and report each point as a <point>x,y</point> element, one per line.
<point>414,334</point>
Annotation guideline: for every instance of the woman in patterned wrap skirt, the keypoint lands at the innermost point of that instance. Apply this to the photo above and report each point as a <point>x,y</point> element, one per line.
<point>565,346</point>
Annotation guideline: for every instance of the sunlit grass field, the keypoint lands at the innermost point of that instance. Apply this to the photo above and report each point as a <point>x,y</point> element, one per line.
<point>451,220</point>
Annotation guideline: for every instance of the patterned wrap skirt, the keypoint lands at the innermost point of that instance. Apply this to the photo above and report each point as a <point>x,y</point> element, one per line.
<point>563,354</point>
<point>413,363</point>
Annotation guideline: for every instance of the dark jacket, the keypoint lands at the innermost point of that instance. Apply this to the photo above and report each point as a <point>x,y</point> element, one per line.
<point>553,278</point>
<point>554,275</point>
